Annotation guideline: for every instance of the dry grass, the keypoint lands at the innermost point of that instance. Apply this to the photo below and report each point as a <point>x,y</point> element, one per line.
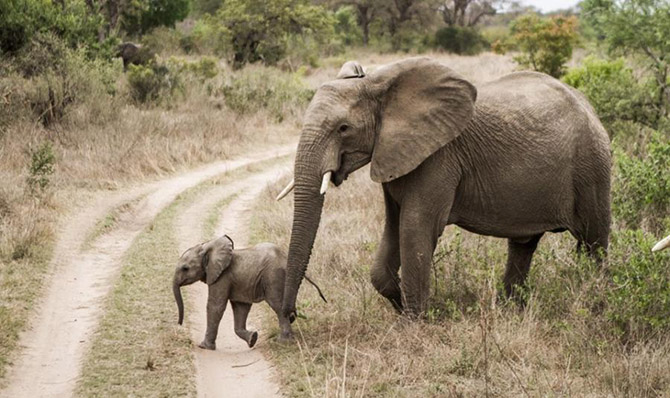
<point>470,344</point>
<point>477,69</point>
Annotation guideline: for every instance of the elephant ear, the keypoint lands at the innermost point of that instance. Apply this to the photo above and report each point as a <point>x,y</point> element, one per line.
<point>425,105</point>
<point>217,254</point>
<point>351,69</point>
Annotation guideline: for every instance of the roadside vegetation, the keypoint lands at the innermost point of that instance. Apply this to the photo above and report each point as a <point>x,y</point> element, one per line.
<point>226,78</point>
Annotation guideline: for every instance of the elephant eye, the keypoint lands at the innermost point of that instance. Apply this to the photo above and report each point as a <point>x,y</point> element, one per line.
<point>184,268</point>
<point>343,128</point>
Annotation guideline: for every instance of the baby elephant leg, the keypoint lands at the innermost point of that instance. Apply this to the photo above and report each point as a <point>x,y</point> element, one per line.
<point>240,313</point>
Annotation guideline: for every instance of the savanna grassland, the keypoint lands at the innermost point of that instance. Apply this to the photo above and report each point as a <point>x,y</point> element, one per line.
<point>75,126</point>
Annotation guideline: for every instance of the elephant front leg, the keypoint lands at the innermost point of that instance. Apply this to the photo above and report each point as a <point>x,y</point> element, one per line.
<point>240,313</point>
<point>215,309</point>
<point>417,244</point>
<point>384,272</point>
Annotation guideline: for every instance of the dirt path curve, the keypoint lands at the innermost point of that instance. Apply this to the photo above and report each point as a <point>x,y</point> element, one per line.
<point>53,346</point>
<point>233,370</point>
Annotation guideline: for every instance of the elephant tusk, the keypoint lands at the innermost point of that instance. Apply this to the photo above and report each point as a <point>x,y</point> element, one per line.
<point>326,180</point>
<point>286,190</point>
<point>662,244</point>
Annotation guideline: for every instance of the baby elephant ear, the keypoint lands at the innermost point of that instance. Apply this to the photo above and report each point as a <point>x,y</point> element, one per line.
<point>217,256</point>
<point>351,69</point>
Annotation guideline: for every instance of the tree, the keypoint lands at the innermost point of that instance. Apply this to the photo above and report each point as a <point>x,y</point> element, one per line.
<point>140,16</point>
<point>545,43</point>
<point>367,11</point>
<point>259,30</point>
<point>465,13</point>
<point>640,28</point>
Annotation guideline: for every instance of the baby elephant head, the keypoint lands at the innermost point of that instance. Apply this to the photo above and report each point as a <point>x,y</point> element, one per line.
<point>204,262</point>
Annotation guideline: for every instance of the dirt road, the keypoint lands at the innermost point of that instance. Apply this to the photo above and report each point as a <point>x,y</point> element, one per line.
<point>233,370</point>
<point>52,348</point>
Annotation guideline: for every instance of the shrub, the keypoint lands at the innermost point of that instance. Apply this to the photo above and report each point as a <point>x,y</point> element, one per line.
<point>41,167</point>
<point>156,82</point>
<point>612,90</point>
<point>639,298</point>
<point>162,40</point>
<point>255,88</point>
<point>641,192</point>
<point>545,43</point>
<point>59,78</point>
<point>346,26</point>
<point>208,37</point>
<point>459,40</point>
<point>21,20</point>
<point>205,68</point>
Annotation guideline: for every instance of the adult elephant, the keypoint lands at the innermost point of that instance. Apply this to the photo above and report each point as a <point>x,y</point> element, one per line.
<point>135,54</point>
<point>515,158</point>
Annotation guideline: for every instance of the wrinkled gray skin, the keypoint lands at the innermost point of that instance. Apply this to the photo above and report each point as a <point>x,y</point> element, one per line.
<point>513,158</point>
<point>135,54</point>
<point>243,277</point>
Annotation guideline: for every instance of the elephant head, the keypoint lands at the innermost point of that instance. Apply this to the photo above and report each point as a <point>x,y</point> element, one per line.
<point>204,262</point>
<point>393,118</point>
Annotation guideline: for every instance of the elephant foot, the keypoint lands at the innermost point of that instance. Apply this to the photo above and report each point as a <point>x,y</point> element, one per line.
<point>285,337</point>
<point>207,346</point>
<point>253,337</point>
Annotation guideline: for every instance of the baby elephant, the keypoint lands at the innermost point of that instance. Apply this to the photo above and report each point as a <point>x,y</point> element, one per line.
<point>243,277</point>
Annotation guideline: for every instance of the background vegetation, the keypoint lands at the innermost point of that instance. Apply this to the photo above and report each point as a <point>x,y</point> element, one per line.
<point>226,75</point>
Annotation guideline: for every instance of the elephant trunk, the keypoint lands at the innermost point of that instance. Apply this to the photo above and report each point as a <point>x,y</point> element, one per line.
<point>176,289</point>
<point>309,171</point>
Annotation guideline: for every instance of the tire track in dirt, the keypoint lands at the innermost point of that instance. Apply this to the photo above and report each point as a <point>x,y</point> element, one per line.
<point>52,348</point>
<point>233,370</point>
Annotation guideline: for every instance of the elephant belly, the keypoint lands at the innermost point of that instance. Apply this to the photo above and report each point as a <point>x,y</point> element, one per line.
<point>514,210</point>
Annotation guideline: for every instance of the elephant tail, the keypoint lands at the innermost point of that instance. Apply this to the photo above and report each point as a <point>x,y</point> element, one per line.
<point>317,289</point>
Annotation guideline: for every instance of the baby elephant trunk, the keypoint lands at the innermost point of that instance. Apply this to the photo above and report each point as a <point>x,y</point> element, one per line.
<point>176,289</point>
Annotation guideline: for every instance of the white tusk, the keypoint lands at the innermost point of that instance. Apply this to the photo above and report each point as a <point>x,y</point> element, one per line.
<point>326,180</point>
<point>662,244</point>
<point>286,190</point>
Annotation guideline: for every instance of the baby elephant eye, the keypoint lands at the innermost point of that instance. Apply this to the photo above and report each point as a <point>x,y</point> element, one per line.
<point>343,128</point>
<point>184,268</point>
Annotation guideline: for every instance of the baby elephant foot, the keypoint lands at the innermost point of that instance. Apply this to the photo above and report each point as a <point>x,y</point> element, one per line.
<point>252,338</point>
<point>207,346</point>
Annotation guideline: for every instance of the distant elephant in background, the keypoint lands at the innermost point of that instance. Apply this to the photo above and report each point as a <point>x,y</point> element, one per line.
<point>242,277</point>
<point>135,54</point>
<point>514,158</point>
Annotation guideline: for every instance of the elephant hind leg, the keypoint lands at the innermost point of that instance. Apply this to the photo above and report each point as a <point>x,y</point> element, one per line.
<point>519,256</point>
<point>592,223</point>
<point>384,272</point>
<point>240,314</point>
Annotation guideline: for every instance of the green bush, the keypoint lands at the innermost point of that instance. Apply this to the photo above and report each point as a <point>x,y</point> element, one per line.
<point>205,68</point>
<point>639,295</point>
<point>52,79</point>
<point>612,90</point>
<point>255,88</point>
<point>156,82</point>
<point>41,167</point>
<point>641,191</point>
<point>20,20</point>
<point>162,40</point>
<point>458,40</point>
<point>545,43</point>
<point>346,26</point>
<point>208,37</point>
